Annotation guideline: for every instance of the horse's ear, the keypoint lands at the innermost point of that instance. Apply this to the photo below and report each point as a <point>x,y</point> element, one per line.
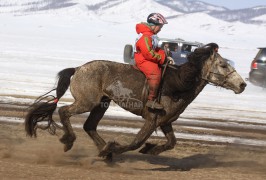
<point>211,52</point>
<point>212,47</point>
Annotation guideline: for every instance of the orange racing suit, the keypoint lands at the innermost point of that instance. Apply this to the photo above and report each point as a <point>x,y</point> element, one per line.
<point>148,57</point>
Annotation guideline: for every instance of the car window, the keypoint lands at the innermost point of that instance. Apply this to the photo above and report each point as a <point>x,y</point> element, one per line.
<point>173,46</point>
<point>170,45</point>
<point>187,48</point>
<point>261,55</point>
<point>193,48</point>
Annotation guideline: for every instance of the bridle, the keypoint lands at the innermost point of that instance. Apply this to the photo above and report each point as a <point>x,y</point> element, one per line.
<point>225,77</point>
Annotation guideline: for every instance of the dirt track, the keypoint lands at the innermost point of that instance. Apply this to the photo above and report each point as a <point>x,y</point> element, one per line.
<point>43,158</point>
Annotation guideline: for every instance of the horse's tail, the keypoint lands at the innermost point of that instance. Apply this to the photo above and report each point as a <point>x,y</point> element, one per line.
<point>43,111</point>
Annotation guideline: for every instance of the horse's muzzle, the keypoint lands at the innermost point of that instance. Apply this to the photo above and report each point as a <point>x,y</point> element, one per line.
<point>242,87</point>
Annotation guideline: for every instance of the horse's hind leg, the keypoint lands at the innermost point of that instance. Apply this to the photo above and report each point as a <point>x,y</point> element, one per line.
<point>91,123</point>
<point>65,113</point>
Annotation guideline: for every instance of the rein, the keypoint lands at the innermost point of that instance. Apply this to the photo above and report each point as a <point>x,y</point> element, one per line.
<point>161,84</point>
<point>163,73</point>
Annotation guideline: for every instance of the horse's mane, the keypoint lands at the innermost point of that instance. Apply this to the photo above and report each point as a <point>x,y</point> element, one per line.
<point>202,53</point>
<point>187,72</point>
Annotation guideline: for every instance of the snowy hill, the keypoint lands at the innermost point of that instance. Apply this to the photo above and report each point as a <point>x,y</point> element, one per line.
<point>115,20</point>
<point>186,6</point>
<point>244,15</point>
<point>129,9</point>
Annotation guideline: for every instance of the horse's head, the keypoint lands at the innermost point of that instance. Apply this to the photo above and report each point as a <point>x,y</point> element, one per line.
<point>215,70</point>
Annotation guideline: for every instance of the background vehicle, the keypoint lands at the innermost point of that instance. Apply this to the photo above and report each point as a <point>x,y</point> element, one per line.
<point>231,62</point>
<point>179,49</point>
<point>257,74</point>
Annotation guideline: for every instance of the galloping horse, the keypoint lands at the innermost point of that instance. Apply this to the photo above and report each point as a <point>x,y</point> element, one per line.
<point>94,84</point>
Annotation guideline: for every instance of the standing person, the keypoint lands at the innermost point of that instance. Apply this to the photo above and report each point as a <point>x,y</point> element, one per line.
<point>148,56</point>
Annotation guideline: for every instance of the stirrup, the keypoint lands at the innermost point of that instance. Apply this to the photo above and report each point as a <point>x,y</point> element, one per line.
<point>154,104</point>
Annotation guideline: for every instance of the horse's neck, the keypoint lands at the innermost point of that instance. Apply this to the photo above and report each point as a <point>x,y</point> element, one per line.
<point>182,79</point>
<point>193,74</point>
<point>200,84</point>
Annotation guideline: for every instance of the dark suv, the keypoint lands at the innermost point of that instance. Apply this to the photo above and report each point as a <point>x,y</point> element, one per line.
<point>257,74</point>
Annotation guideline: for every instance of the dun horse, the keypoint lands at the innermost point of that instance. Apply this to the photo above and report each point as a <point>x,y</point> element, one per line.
<point>94,84</point>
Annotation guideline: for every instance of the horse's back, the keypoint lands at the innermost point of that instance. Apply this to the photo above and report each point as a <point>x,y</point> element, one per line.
<point>110,69</point>
<point>104,77</point>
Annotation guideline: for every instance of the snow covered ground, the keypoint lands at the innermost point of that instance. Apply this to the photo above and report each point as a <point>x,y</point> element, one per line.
<point>33,48</point>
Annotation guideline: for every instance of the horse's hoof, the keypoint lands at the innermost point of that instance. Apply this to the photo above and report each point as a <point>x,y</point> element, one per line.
<point>109,158</point>
<point>109,148</point>
<point>67,147</point>
<point>105,151</point>
<point>147,148</point>
<point>65,139</point>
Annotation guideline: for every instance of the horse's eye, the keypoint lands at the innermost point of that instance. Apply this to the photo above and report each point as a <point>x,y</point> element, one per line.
<point>223,64</point>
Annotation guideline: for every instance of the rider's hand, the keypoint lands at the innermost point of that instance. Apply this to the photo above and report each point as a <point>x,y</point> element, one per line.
<point>170,60</point>
<point>167,50</point>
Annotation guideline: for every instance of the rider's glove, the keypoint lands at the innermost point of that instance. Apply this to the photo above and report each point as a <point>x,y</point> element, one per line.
<point>170,60</point>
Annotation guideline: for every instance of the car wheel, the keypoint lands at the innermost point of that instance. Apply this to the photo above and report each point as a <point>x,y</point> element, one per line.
<point>128,53</point>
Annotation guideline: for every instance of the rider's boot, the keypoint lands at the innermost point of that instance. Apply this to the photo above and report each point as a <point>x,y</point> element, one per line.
<point>152,102</point>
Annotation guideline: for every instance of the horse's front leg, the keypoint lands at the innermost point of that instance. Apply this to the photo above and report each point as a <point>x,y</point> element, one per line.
<point>141,137</point>
<point>157,149</point>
